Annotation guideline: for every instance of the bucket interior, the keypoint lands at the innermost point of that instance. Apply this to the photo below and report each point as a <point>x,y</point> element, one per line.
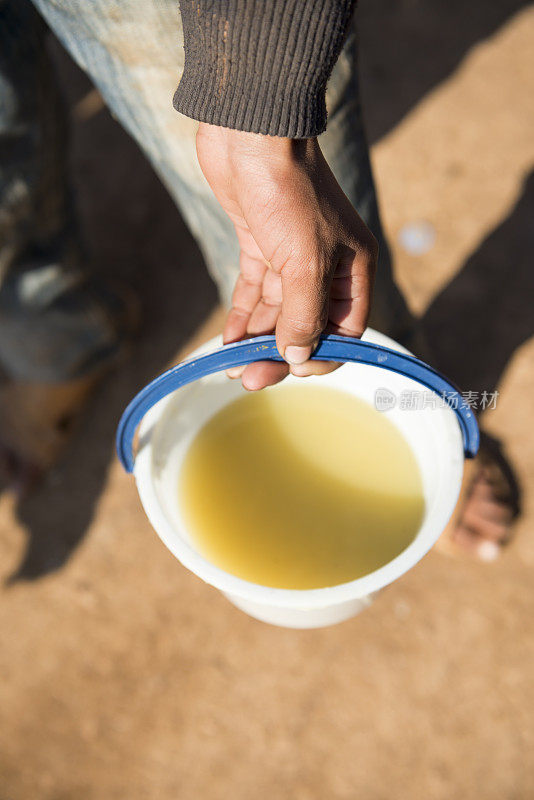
<point>432,433</point>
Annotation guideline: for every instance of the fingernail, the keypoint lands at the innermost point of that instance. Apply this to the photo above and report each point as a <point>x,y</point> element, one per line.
<point>300,370</point>
<point>488,551</point>
<point>297,355</point>
<point>235,372</point>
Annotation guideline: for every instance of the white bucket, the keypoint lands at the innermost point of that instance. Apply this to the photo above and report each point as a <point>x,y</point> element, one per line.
<point>169,427</point>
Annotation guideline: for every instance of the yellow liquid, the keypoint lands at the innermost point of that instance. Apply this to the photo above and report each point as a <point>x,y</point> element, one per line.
<point>300,487</point>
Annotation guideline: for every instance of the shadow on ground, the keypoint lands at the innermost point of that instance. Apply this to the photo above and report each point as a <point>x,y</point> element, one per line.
<point>486,312</point>
<point>484,315</point>
<point>135,233</point>
<point>410,46</point>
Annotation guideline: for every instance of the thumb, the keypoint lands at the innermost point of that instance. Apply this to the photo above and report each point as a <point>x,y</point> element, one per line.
<point>304,312</point>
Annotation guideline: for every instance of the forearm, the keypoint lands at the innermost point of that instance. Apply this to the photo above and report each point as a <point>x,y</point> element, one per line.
<point>261,65</point>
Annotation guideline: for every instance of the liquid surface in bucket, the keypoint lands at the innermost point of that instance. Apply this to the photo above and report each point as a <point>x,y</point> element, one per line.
<point>300,487</point>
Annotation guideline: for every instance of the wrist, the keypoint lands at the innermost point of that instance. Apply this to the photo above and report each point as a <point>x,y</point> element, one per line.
<point>238,145</point>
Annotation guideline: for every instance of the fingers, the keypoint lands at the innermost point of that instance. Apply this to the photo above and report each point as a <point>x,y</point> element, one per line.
<point>264,373</point>
<point>247,294</point>
<point>258,309</point>
<point>265,314</point>
<point>338,293</point>
<point>299,303</point>
<point>263,320</point>
<point>234,372</point>
<point>255,308</point>
<point>352,289</point>
<point>313,368</point>
<point>303,312</point>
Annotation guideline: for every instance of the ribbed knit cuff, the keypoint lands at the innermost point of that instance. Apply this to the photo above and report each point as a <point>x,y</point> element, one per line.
<point>260,65</point>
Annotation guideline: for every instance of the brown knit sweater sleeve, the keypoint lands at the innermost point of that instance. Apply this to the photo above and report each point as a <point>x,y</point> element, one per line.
<point>260,65</point>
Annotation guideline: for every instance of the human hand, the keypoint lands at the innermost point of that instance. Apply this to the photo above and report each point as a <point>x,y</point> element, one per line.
<point>307,259</point>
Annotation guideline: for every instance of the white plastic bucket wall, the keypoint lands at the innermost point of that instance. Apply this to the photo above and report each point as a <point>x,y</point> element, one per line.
<point>170,426</point>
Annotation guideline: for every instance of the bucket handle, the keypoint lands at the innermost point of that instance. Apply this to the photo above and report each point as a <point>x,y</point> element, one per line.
<point>263,348</point>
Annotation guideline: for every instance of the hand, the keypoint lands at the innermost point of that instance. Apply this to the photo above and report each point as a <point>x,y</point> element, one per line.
<point>307,259</point>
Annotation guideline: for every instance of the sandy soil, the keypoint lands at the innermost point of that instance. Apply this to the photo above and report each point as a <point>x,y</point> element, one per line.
<point>122,675</point>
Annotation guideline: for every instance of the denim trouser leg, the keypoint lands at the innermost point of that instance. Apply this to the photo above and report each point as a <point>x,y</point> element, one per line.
<point>132,50</point>
<point>34,208</point>
<point>56,321</point>
<point>345,147</point>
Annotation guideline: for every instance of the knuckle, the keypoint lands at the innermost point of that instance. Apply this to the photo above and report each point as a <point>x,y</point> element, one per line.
<point>306,327</point>
<point>365,245</point>
<point>299,269</point>
<point>371,250</point>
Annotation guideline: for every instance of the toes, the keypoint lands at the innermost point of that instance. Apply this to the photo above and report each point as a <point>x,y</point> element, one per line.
<point>487,511</point>
<point>470,542</point>
<point>481,489</point>
<point>492,478</point>
<point>485,519</point>
<point>483,526</point>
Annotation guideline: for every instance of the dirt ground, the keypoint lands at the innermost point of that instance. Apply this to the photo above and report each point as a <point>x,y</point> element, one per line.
<point>122,675</point>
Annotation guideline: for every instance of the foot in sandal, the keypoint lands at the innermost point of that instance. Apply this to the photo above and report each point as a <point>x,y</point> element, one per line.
<point>487,507</point>
<point>54,350</point>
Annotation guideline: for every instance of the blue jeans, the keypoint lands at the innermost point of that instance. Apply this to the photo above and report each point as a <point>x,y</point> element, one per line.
<point>132,51</point>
